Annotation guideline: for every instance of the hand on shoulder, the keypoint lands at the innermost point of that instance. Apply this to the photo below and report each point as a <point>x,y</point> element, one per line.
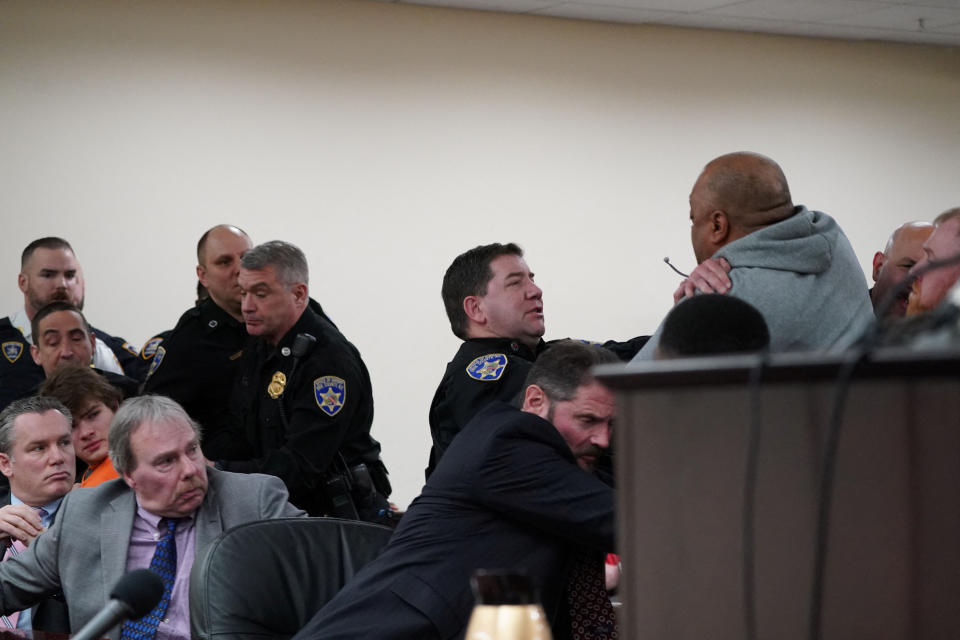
<point>710,276</point>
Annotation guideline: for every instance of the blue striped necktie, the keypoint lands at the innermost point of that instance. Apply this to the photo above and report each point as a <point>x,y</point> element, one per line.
<point>164,564</point>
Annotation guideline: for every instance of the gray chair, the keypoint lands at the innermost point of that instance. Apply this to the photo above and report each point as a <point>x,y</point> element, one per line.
<point>267,579</point>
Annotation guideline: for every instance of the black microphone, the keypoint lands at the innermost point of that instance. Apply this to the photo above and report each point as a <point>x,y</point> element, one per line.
<point>134,596</point>
<point>670,264</point>
<point>302,344</point>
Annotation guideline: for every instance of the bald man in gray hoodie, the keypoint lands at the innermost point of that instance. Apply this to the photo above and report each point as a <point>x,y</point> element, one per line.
<point>794,265</point>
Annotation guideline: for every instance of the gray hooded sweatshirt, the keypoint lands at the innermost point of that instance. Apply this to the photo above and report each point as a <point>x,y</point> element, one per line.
<point>802,275</point>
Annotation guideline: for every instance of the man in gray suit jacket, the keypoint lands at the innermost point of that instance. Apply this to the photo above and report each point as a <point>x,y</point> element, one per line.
<point>166,492</point>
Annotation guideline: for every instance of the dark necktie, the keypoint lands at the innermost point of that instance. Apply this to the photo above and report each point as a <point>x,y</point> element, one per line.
<point>164,564</point>
<point>591,614</point>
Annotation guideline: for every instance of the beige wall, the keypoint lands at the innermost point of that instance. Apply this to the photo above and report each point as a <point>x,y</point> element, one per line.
<point>385,139</point>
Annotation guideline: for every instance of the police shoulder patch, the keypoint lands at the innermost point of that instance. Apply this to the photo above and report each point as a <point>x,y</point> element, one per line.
<point>150,347</point>
<point>129,348</point>
<point>488,368</point>
<point>330,393</point>
<point>12,350</point>
<point>157,359</point>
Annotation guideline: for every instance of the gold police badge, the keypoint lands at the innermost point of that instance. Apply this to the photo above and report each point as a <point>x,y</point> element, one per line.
<point>277,385</point>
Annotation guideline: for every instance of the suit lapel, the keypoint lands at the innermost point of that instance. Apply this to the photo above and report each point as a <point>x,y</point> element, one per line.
<point>209,522</point>
<point>116,523</point>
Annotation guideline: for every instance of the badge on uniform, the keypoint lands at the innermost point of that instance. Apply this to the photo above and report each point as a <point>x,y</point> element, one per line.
<point>487,368</point>
<point>150,348</point>
<point>157,359</point>
<point>277,385</point>
<point>331,393</point>
<point>12,351</point>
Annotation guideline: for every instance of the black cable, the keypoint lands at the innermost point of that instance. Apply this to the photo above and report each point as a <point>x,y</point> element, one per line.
<point>749,497</point>
<point>825,499</point>
<point>670,264</point>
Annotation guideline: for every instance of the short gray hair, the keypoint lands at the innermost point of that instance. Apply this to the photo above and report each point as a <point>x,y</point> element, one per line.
<point>17,408</point>
<point>133,413</point>
<point>287,259</point>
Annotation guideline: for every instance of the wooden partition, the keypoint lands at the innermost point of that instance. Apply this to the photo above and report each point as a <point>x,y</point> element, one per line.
<point>893,564</point>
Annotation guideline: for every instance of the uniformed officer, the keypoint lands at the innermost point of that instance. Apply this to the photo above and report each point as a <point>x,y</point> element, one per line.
<point>495,307</point>
<point>62,337</point>
<point>49,271</point>
<point>19,374</point>
<point>196,363</point>
<point>303,400</point>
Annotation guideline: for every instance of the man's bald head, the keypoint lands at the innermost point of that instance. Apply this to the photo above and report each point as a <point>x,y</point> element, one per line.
<point>735,195</point>
<point>218,265</point>
<point>891,266</point>
<point>220,232</point>
<point>750,187</point>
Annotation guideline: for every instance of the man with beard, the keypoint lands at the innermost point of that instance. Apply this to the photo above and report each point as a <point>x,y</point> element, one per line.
<point>49,272</point>
<point>516,490</point>
<point>943,244</point>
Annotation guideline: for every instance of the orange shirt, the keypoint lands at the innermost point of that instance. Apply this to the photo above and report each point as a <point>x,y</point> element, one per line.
<point>99,474</point>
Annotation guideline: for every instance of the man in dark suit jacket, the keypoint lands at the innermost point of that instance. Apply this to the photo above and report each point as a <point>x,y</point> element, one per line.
<point>103,532</point>
<point>37,457</point>
<point>514,490</point>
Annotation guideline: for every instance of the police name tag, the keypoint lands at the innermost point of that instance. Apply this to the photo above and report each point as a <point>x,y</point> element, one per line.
<point>487,368</point>
<point>331,393</point>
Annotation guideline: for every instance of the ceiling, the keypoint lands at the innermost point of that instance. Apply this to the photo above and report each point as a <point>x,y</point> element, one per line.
<point>918,21</point>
